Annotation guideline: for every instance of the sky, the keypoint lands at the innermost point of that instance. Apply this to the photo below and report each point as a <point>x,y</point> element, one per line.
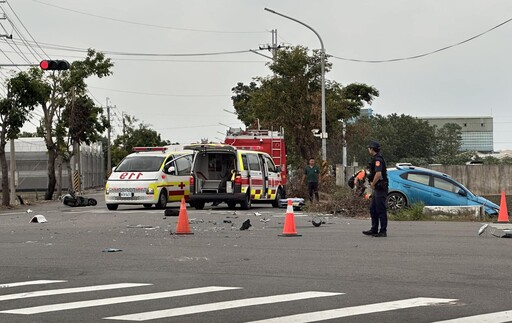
<point>188,97</point>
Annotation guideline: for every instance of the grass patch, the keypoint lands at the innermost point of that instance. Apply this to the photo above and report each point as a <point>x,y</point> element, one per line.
<point>411,213</point>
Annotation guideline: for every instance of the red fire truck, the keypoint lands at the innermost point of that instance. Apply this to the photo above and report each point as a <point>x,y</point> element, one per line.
<point>271,142</point>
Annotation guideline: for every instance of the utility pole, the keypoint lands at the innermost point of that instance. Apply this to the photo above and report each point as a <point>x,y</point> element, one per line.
<point>12,183</point>
<point>109,153</point>
<point>274,46</point>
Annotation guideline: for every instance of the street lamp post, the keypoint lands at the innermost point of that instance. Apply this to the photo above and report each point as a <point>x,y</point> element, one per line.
<point>322,54</point>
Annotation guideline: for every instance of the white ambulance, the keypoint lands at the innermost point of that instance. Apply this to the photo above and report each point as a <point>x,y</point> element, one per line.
<point>223,173</point>
<point>150,176</point>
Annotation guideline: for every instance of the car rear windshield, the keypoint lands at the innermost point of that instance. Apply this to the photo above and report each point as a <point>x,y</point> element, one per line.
<point>140,164</point>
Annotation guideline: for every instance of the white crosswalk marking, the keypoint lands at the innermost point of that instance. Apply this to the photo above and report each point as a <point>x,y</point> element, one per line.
<point>498,317</point>
<point>32,282</point>
<point>220,306</point>
<point>357,310</point>
<point>68,291</point>
<point>115,300</point>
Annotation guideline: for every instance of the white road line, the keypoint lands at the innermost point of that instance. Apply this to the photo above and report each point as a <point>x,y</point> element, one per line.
<point>32,282</point>
<point>357,310</point>
<point>498,317</point>
<point>68,291</point>
<point>220,306</point>
<point>115,300</point>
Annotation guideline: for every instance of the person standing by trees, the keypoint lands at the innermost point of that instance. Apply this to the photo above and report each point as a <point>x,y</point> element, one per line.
<point>312,177</point>
<point>379,182</point>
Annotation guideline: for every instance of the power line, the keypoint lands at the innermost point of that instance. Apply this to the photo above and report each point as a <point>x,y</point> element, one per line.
<point>23,25</point>
<point>425,54</point>
<point>149,25</point>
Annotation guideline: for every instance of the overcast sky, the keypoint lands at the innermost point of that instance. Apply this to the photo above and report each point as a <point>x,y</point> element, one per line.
<point>184,98</point>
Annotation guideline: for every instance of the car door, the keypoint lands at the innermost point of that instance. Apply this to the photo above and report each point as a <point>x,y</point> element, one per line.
<point>273,177</point>
<point>255,175</point>
<point>179,177</point>
<point>417,187</point>
<point>446,193</point>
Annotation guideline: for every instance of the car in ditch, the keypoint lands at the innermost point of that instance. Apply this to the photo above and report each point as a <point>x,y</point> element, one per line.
<point>410,184</point>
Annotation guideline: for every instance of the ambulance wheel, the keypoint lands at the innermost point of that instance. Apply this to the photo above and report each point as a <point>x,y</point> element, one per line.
<point>112,207</point>
<point>162,200</point>
<point>246,203</point>
<point>199,205</point>
<point>275,203</point>
<point>147,206</point>
<point>231,205</point>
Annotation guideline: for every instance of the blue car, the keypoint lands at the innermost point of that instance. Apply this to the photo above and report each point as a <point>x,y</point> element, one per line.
<point>410,184</point>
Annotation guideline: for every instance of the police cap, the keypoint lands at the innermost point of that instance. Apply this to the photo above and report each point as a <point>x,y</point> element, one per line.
<point>374,145</point>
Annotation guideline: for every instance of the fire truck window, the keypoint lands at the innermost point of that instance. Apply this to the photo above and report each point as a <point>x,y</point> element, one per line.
<point>270,164</point>
<point>254,162</point>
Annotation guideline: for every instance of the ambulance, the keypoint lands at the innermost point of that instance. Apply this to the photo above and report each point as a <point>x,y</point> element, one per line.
<point>224,173</point>
<point>150,176</point>
<point>269,141</point>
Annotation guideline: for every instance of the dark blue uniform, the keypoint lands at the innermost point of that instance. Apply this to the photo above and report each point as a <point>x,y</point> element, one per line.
<point>378,210</point>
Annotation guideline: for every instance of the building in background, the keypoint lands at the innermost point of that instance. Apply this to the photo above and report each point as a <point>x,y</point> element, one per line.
<point>477,132</point>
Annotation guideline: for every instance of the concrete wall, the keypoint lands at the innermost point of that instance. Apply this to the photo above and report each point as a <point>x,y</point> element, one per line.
<point>480,179</point>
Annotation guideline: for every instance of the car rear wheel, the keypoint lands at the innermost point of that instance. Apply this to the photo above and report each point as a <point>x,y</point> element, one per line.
<point>396,201</point>
<point>246,203</point>
<point>275,203</point>
<point>199,205</point>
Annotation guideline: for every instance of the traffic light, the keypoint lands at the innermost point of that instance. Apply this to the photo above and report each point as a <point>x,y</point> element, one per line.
<point>54,65</point>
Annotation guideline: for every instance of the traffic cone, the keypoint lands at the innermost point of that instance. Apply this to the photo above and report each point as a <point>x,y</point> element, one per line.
<point>289,229</point>
<point>503,214</point>
<point>183,226</point>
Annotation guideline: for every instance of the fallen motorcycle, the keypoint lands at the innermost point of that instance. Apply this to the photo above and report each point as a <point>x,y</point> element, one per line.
<point>74,201</point>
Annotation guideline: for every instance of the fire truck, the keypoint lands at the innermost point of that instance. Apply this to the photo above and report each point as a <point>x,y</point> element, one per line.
<point>269,141</point>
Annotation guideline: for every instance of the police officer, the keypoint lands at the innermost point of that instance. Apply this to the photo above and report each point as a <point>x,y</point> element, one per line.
<point>379,182</point>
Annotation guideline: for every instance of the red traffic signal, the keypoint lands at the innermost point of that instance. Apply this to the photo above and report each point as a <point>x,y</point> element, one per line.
<point>54,65</point>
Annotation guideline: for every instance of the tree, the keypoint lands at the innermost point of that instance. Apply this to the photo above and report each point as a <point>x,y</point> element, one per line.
<point>401,137</point>
<point>68,88</point>
<point>24,92</point>
<point>448,140</point>
<point>140,135</point>
<point>291,98</point>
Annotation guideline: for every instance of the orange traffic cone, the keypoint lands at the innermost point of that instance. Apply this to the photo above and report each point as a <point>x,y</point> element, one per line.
<point>183,226</point>
<point>503,214</point>
<point>289,229</point>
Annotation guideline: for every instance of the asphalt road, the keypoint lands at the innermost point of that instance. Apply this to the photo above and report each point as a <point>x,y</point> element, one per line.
<point>422,272</point>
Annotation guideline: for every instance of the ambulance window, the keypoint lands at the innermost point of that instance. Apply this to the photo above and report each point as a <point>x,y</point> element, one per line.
<point>184,165</point>
<point>244,162</point>
<point>270,164</point>
<point>254,162</point>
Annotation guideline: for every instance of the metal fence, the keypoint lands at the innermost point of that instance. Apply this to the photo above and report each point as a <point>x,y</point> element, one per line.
<point>480,179</point>
<point>31,173</point>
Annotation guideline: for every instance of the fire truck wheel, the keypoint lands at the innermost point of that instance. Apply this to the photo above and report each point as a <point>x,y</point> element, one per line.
<point>199,205</point>
<point>246,203</point>
<point>275,203</point>
<point>231,205</point>
<point>162,200</point>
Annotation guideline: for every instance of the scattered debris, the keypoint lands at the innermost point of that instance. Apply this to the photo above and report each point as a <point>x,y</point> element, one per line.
<point>257,213</point>
<point>246,225</point>
<point>171,212</point>
<point>318,221</point>
<point>29,211</point>
<point>139,226</point>
<point>264,220</point>
<point>482,229</point>
<point>227,221</point>
<point>38,219</point>
<point>111,250</point>
<point>234,212</point>
<point>74,201</point>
